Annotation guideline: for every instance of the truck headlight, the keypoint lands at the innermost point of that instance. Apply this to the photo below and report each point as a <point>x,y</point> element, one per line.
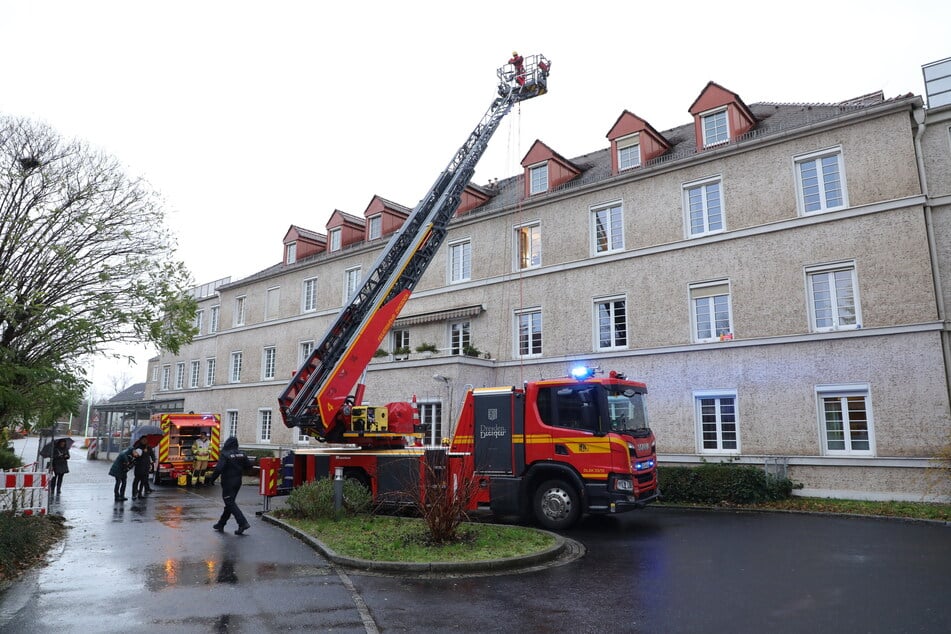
<point>622,484</point>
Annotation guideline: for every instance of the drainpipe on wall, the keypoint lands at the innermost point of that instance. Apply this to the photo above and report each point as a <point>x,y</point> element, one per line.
<point>919,115</point>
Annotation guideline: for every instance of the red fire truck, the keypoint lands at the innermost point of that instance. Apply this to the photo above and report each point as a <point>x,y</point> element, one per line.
<point>179,433</point>
<point>552,449</point>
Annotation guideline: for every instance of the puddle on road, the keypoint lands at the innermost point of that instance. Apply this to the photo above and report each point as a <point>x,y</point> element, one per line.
<point>174,573</point>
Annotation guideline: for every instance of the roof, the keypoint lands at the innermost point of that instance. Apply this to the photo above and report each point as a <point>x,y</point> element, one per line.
<point>131,394</point>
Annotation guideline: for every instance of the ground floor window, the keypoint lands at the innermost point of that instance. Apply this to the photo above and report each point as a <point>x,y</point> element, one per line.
<point>845,419</point>
<point>430,420</point>
<point>264,425</point>
<point>717,424</point>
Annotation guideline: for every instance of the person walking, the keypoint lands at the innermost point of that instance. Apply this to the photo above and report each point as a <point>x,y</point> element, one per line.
<point>120,470</point>
<point>60,465</point>
<point>201,451</point>
<point>142,463</point>
<point>232,463</point>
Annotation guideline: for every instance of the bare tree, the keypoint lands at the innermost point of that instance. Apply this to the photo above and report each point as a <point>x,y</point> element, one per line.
<point>85,262</point>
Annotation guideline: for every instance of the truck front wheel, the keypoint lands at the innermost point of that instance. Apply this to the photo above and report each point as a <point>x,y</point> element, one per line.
<point>556,505</point>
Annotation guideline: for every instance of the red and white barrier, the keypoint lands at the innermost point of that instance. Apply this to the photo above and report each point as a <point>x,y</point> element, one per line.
<point>24,492</point>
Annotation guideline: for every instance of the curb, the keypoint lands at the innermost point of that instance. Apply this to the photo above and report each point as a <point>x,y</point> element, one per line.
<point>563,549</point>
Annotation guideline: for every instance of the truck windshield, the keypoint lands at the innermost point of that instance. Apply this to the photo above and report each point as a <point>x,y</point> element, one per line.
<point>627,409</point>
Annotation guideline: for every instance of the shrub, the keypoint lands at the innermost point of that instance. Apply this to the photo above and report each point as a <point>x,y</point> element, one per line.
<point>716,483</point>
<point>25,540</point>
<point>314,500</point>
<point>9,460</point>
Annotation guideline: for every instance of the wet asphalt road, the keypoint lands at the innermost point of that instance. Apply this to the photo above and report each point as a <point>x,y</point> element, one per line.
<point>155,565</point>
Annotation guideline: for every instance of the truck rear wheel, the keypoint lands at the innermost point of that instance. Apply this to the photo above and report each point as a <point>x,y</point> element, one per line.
<point>556,505</point>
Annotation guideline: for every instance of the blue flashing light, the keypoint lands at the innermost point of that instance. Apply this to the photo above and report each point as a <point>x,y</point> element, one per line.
<point>581,372</point>
<point>647,464</point>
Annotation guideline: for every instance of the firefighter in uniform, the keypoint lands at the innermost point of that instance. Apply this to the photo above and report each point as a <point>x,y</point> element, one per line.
<point>201,451</point>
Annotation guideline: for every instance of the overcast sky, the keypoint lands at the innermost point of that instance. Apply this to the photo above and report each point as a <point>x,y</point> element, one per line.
<point>249,117</point>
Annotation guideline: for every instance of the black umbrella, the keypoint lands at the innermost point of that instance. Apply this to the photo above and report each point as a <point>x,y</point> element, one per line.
<point>152,433</point>
<point>47,449</point>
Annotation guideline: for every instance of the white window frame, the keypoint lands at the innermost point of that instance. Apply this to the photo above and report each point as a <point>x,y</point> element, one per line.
<point>613,229</point>
<point>180,375</point>
<point>720,121</point>
<point>155,373</point>
<point>268,363</point>
<point>290,252</point>
<point>304,348</point>
<point>194,376</point>
<point>199,321</point>
<point>533,315</point>
<point>528,246</point>
<point>850,437</point>
<point>830,271</point>
<point>308,295</point>
<point>215,316</point>
<point>302,437</point>
<point>460,337</point>
<point>210,364</point>
<point>431,411</point>
<point>336,239</point>
<point>351,283</point>
<point>232,417</point>
<point>628,152</point>
<point>460,260</point>
<point>611,302</point>
<point>234,368</point>
<point>399,339</point>
<point>272,302</point>
<point>240,306</point>
<point>703,294</point>
<point>265,424</point>
<point>375,227</point>
<point>824,204</point>
<point>166,377</point>
<point>721,435</point>
<point>538,179</point>
<point>706,201</point>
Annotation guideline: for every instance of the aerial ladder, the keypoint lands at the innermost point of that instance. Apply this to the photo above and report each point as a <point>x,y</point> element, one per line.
<point>318,398</point>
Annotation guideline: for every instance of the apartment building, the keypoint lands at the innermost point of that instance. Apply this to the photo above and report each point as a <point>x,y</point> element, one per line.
<point>772,271</point>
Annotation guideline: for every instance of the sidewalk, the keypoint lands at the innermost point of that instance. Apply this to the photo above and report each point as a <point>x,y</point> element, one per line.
<point>156,563</point>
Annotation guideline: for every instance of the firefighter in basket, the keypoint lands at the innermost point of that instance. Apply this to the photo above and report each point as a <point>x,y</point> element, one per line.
<point>201,451</point>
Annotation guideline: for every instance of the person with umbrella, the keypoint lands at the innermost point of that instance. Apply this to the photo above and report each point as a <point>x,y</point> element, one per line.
<point>59,462</point>
<point>120,470</point>
<point>142,466</point>
<point>231,465</point>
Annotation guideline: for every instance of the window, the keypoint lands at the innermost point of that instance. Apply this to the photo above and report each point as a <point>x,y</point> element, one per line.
<point>306,347</point>
<point>704,205</point>
<point>374,227</point>
<point>400,339</point>
<point>845,419</point>
<point>528,246</point>
<point>235,375</point>
<point>272,302</point>
<point>715,128</point>
<point>195,375</point>
<point>290,253</point>
<point>628,153</point>
<point>833,297</point>
<point>232,417</point>
<point>430,421</point>
<point>460,261</point>
<point>611,323</point>
<point>209,371</point>
<point>529,332</point>
<point>335,238</point>
<point>538,179</point>
<point>459,337</point>
<point>213,326</point>
<point>238,317</point>
<point>166,376</point>
<point>302,437</point>
<point>155,373</point>
<point>606,228</point>
<point>179,375</point>
<point>199,318</point>
<point>717,422</point>
<point>268,362</point>
<point>710,304</point>
<point>351,284</point>
<point>264,425</point>
<point>308,295</point>
<point>820,179</point>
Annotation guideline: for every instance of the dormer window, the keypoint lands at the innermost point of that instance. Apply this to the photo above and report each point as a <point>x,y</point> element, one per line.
<point>628,152</point>
<point>335,235</point>
<point>290,253</point>
<point>715,128</point>
<point>539,179</point>
<point>375,227</point>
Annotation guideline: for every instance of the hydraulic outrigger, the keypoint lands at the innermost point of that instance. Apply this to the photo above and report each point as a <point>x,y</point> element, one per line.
<point>318,399</point>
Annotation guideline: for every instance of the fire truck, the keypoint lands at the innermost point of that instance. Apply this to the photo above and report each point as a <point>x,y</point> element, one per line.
<point>179,432</point>
<point>551,449</point>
